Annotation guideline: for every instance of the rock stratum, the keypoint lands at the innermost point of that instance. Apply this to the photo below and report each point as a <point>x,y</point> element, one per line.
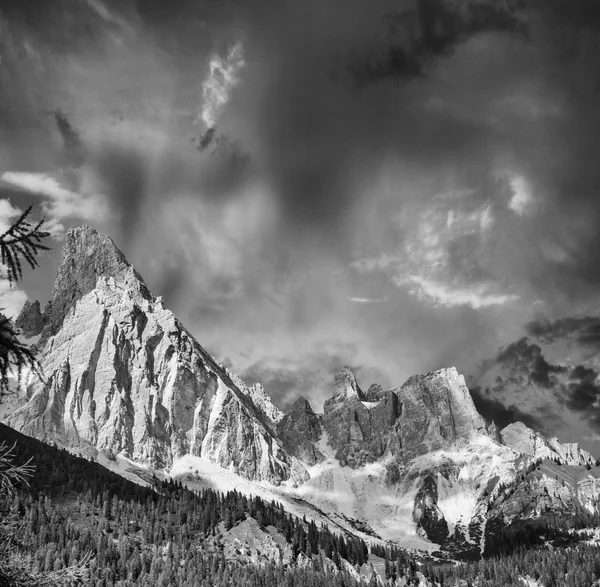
<point>415,464</point>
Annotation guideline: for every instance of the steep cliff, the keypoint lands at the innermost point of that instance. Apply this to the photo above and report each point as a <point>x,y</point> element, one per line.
<point>30,321</point>
<point>437,410</point>
<point>360,431</point>
<point>299,431</point>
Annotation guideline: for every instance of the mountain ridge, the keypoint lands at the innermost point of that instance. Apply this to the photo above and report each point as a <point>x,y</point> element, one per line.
<point>415,464</point>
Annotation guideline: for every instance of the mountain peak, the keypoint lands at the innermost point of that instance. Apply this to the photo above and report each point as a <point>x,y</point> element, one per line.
<point>346,386</point>
<point>87,256</point>
<point>301,405</point>
<point>30,320</point>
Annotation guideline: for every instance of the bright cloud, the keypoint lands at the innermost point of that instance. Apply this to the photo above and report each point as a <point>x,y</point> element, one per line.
<point>522,198</point>
<point>8,212</point>
<point>477,296</point>
<point>12,299</point>
<point>63,203</point>
<point>367,300</point>
<point>222,78</point>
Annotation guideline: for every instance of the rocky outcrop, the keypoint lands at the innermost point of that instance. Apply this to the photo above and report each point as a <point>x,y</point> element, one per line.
<point>547,488</point>
<point>428,413</point>
<point>124,376</point>
<point>494,432</point>
<point>427,515</point>
<point>30,321</point>
<point>88,256</point>
<point>259,398</point>
<point>299,430</point>
<point>360,431</point>
<point>529,442</point>
<point>437,410</point>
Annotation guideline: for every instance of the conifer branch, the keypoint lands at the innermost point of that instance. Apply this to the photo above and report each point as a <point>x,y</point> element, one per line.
<point>23,240</point>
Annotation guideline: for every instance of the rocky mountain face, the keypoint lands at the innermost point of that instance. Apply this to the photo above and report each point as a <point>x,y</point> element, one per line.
<point>360,431</point>
<point>300,431</point>
<point>30,321</point>
<point>415,464</point>
<point>124,376</point>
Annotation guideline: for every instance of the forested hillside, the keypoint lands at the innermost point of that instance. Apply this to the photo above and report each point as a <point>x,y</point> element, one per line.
<point>168,535</point>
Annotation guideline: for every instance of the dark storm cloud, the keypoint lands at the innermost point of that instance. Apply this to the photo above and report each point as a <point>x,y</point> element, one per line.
<point>495,411</point>
<point>583,393</point>
<point>432,28</point>
<point>586,330</point>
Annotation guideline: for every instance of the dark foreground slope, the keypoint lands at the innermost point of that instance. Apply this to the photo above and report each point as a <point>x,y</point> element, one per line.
<point>166,535</point>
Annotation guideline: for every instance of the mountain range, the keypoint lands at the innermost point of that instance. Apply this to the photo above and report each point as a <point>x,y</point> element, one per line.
<point>416,466</point>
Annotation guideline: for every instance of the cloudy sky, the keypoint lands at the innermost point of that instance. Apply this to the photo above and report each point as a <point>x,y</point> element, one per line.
<point>394,185</point>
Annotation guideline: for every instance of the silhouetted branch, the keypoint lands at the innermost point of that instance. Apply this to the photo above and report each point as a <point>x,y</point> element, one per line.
<point>23,240</point>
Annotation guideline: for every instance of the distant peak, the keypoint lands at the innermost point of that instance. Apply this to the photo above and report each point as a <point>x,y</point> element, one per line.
<point>301,404</point>
<point>346,385</point>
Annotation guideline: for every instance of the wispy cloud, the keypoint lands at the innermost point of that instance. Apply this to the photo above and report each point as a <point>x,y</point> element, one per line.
<point>441,256</point>
<point>222,77</point>
<point>480,295</point>
<point>367,300</point>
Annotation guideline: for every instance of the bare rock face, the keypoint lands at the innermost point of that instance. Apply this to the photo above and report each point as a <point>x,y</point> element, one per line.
<point>299,431</point>
<point>437,410</point>
<point>124,376</point>
<point>548,488</point>
<point>494,432</point>
<point>426,513</point>
<point>527,441</point>
<point>259,397</point>
<point>30,322</point>
<point>428,413</point>
<point>86,256</point>
<point>360,431</point>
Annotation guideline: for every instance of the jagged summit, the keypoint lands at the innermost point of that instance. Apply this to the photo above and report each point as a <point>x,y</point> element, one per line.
<point>300,430</point>
<point>88,256</point>
<point>437,410</point>
<point>346,386</point>
<point>30,321</point>
<point>301,405</point>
